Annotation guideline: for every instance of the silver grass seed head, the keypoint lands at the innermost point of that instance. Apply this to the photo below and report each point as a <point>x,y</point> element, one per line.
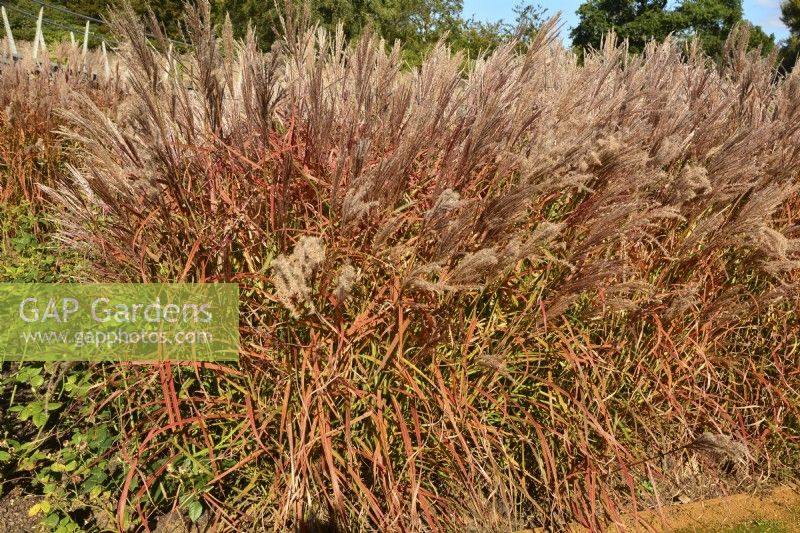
<point>692,182</point>
<point>292,274</point>
<point>721,447</point>
<point>344,282</point>
<point>669,151</point>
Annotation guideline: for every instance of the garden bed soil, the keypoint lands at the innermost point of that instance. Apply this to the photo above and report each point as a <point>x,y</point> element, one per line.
<point>14,517</point>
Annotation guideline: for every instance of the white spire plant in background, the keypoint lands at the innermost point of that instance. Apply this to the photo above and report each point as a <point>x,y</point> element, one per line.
<point>42,43</point>
<point>106,66</point>
<point>37,40</point>
<point>86,40</point>
<point>12,46</point>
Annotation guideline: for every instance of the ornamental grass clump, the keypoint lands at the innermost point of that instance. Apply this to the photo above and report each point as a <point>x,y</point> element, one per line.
<point>472,297</point>
<point>31,94</point>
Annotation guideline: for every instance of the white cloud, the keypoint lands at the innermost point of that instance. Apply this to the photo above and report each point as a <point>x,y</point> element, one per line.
<point>772,23</point>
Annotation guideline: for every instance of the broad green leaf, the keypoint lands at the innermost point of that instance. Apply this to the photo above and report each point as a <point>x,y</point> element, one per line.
<point>195,510</point>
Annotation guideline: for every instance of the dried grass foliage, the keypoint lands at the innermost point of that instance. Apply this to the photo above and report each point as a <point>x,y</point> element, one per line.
<point>487,291</point>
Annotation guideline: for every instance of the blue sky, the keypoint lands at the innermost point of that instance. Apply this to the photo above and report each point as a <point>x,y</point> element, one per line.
<point>765,13</point>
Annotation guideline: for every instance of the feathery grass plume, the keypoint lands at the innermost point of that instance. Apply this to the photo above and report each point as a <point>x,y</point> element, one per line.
<point>345,281</point>
<point>447,201</point>
<point>30,100</point>
<point>692,182</point>
<point>292,275</point>
<point>472,268</point>
<point>722,446</point>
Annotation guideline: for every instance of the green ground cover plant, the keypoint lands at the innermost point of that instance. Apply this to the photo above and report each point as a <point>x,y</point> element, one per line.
<point>486,295</point>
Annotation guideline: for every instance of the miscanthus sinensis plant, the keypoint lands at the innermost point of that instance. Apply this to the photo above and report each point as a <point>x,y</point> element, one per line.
<point>30,95</point>
<point>475,295</point>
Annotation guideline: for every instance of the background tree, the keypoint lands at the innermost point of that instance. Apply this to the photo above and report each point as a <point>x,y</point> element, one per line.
<point>64,16</point>
<point>476,37</point>
<point>635,20</point>
<point>642,20</point>
<point>419,24</point>
<point>712,20</point>
<point>790,15</point>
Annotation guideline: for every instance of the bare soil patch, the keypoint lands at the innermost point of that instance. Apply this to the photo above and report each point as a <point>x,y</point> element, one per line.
<point>14,513</point>
<point>780,506</point>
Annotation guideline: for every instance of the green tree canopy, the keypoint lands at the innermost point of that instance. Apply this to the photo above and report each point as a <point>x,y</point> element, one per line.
<point>790,15</point>
<point>642,20</point>
<point>636,20</point>
<point>419,24</point>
